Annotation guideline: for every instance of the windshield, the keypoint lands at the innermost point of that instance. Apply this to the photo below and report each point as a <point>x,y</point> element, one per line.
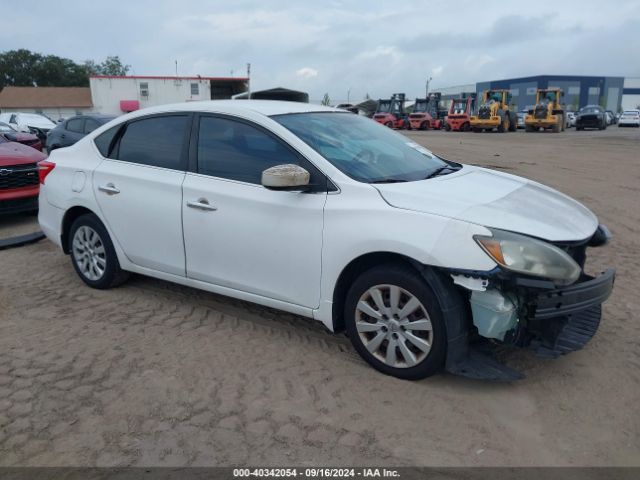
<point>631,112</point>
<point>361,148</point>
<point>420,106</point>
<point>34,117</point>
<point>384,106</point>
<point>590,110</point>
<point>6,128</point>
<point>460,105</point>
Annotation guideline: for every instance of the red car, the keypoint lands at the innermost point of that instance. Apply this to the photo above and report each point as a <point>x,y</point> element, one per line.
<point>12,135</point>
<point>19,179</point>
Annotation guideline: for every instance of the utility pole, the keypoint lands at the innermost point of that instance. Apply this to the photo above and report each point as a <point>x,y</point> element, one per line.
<point>427,91</point>
<point>248,81</point>
<point>348,95</point>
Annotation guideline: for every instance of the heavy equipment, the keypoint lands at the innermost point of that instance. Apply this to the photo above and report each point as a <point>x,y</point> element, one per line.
<point>390,112</point>
<point>428,113</point>
<point>548,112</point>
<point>459,116</point>
<point>495,112</point>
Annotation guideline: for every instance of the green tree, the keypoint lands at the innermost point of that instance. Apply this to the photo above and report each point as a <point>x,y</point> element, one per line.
<point>326,100</point>
<point>23,68</point>
<point>111,66</point>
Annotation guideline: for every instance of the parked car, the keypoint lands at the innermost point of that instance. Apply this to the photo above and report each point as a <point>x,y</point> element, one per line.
<point>521,116</point>
<point>629,118</point>
<point>29,122</point>
<point>570,119</point>
<point>329,215</point>
<point>12,135</point>
<point>70,131</point>
<point>591,116</point>
<point>18,177</point>
<point>609,117</point>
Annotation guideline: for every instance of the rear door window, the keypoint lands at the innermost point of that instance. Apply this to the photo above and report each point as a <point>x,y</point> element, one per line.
<point>90,125</point>
<point>76,125</point>
<point>155,141</point>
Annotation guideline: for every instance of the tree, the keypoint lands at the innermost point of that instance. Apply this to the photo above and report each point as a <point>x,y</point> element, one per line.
<point>23,68</point>
<point>326,101</point>
<point>111,66</point>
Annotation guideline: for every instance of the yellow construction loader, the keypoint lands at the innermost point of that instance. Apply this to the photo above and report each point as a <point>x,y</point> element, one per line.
<point>548,112</point>
<point>494,112</point>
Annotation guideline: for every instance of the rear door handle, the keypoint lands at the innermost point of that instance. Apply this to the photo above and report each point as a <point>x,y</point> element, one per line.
<point>109,188</point>
<point>201,204</point>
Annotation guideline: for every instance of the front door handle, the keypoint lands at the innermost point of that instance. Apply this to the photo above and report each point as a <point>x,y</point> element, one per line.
<point>201,204</point>
<point>109,188</point>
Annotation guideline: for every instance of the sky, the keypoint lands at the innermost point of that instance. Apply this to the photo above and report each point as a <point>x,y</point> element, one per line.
<point>346,48</point>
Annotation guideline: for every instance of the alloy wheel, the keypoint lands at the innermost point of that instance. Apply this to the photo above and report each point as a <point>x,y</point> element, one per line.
<point>89,252</point>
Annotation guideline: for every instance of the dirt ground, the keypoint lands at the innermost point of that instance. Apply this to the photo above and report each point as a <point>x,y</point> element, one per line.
<point>156,374</point>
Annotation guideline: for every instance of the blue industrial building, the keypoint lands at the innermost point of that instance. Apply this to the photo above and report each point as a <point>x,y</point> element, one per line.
<point>578,90</point>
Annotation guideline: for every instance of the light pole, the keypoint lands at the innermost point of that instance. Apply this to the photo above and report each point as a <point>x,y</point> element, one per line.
<point>248,81</point>
<point>348,95</point>
<point>427,91</point>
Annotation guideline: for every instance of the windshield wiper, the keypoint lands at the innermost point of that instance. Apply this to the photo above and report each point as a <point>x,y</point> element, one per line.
<point>441,170</point>
<point>390,180</point>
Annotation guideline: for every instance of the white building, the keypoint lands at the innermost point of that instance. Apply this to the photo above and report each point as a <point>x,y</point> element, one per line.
<point>631,93</point>
<point>116,95</point>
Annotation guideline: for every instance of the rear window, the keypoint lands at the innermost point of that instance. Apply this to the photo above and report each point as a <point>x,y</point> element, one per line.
<point>103,141</point>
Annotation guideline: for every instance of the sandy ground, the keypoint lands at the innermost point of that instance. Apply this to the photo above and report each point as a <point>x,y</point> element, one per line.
<point>156,374</point>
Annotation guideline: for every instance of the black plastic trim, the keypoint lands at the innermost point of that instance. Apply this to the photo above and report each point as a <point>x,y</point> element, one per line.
<point>575,298</point>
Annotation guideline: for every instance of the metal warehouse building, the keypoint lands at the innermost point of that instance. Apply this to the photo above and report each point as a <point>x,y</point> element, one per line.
<point>578,90</point>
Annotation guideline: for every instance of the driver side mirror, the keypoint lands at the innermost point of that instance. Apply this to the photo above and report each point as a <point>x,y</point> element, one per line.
<point>286,177</point>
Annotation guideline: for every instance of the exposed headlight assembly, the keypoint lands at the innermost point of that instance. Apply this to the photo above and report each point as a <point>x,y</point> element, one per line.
<point>527,255</point>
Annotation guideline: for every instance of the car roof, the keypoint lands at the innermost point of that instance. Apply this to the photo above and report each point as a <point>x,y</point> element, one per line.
<point>91,115</point>
<point>264,107</point>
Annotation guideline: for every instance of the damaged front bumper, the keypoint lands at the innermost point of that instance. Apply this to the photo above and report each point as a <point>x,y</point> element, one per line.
<point>566,319</point>
<point>521,311</point>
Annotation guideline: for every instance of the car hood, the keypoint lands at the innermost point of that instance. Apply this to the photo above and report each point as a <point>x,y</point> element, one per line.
<point>13,153</point>
<point>498,200</point>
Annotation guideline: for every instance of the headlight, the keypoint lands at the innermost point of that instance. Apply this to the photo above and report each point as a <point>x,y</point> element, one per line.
<point>523,254</point>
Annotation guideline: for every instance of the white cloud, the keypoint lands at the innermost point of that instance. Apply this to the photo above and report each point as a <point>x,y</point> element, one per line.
<point>476,62</point>
<point>437,71</point>
<point>389,52</point>
<point>307,72</point>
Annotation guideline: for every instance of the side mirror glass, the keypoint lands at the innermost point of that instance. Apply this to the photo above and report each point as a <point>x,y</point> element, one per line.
<point>286,177</point>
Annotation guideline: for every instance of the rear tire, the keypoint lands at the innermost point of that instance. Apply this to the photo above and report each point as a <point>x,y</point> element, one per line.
<point>92,254</point>
<point>395,322</point>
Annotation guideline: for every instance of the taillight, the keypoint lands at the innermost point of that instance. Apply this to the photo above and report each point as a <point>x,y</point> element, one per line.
<point>45,168</point>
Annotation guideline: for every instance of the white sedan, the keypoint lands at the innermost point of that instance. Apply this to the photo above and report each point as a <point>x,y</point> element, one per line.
<point>329,215</point>
<point>629,118</point>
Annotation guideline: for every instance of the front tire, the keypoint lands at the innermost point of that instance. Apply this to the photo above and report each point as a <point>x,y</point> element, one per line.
<point>395,322</point>
<point>92,254</point>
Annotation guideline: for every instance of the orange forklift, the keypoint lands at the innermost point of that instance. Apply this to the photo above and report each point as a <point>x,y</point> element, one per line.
<point>425,115</point>
<point>459,116</point>
<point>390,113</point>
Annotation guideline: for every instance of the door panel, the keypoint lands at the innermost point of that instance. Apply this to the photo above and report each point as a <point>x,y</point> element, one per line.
<point>254,239</point>
<point>140,193</point>
<point>145,213</point>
